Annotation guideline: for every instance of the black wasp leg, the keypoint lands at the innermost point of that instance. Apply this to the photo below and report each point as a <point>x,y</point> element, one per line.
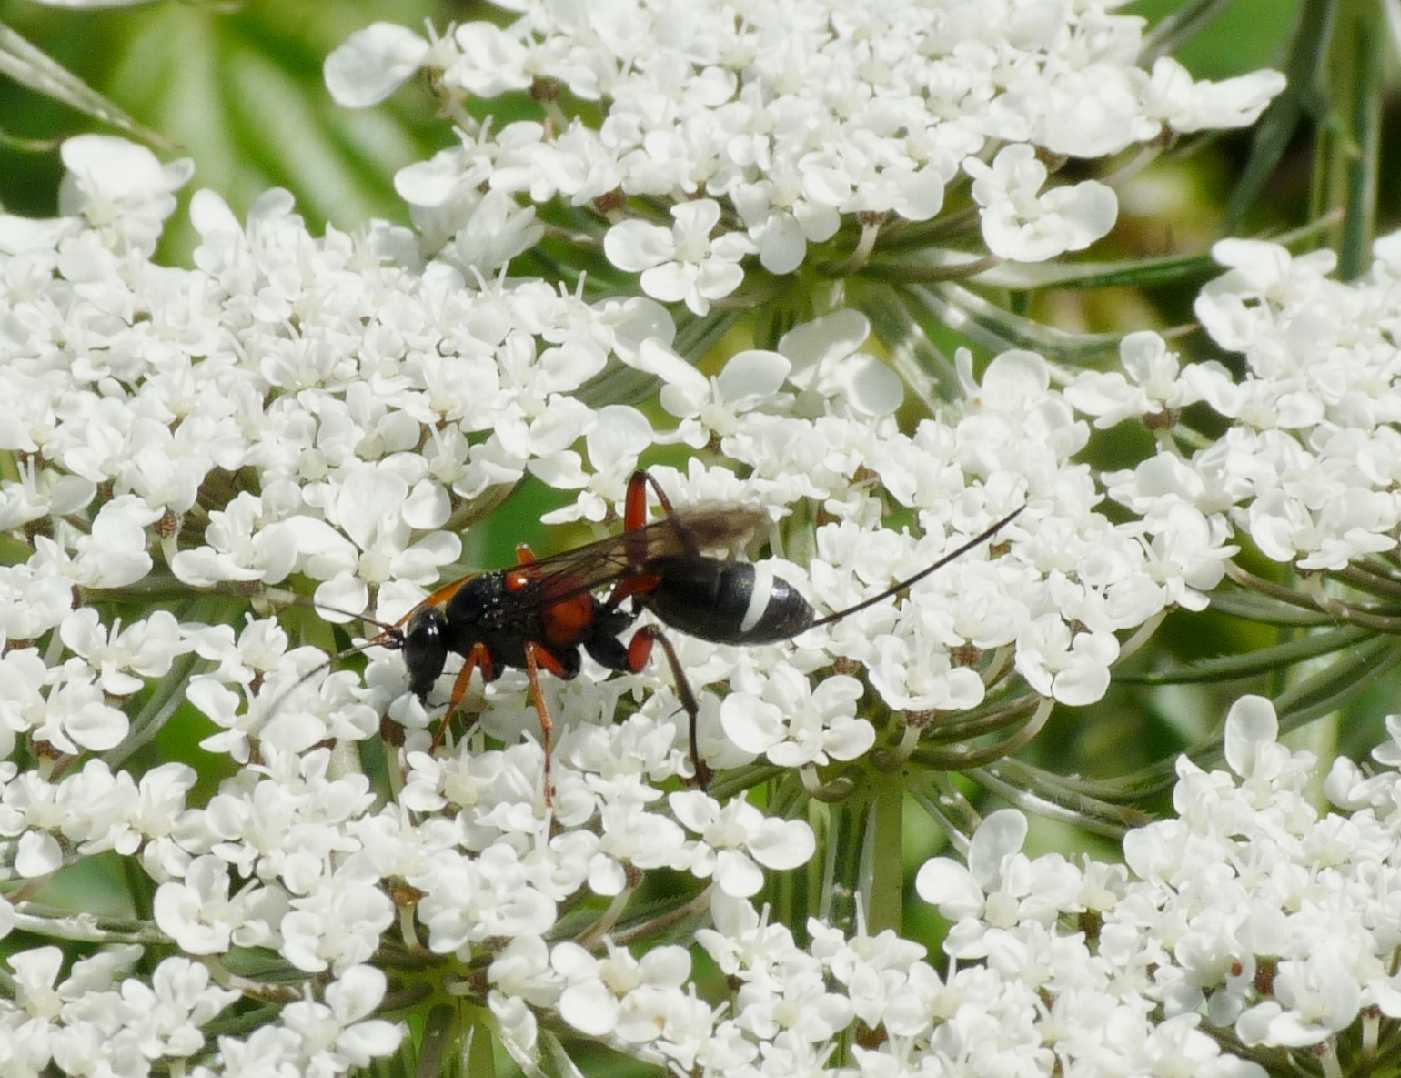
<point>639,651</point>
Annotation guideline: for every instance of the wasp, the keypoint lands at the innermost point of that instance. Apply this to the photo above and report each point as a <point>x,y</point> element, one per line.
<point>543,613</point>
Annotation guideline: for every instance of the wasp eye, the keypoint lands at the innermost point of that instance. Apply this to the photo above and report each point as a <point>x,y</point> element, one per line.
<point>425,650</point>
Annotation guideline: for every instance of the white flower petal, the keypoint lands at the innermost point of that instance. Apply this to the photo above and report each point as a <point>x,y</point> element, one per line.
<point>737,875</point>
<point>634,245</point>
<point>372,63</point>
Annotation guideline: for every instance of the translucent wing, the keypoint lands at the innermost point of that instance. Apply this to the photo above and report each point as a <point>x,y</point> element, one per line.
<point>596,565</point>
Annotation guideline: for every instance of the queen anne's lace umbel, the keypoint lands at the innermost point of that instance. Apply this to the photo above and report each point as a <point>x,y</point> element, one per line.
<point>329,414</point>
<point>297,406</point>
<point>765,124</point>
<point>1309,464</point>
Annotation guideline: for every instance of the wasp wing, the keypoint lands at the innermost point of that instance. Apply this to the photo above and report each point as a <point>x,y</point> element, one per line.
<point>598,564</point>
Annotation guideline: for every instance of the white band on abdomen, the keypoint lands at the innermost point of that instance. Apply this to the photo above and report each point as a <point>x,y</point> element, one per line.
<point>758,598</point>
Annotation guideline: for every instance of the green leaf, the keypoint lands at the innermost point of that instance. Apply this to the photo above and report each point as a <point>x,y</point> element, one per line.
<point>1241,36</point>
<point>555,1060</point>
<point>437,1045</point>
<point>93,5</point>
<point>1251,663</point>
<point>31,67</point>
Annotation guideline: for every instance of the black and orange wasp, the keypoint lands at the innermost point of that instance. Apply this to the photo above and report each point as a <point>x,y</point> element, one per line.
<point>539,614</point>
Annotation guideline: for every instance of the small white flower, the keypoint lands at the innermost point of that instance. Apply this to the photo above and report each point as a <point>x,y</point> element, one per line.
<point>736,838</point>
<point>492,232</point>
<point>241,546</point>
<point>683,262</point>
<point>338,1035</point>
<point>31,603</point>
<point>493,61</point>
<point>793,724</point>
<point>146,648</point>
<point>169,1012</point>
<point>750,379</point>
<point>1072,667</point>
<point>1000,888</point>
<point>1153,382</point>
<point>338,925</point>
<point>41,492</point>
<point>827,362</point>
<point>1315,998</point>
<point>74,713</point>
<point>603,996</point>
<point>1186,106</point>
<point>372,63</point>
<point>114,553</point>
<point>204,918</point>
<point>120,188</point>
<point>1021,223</point>
<point>620,435</point>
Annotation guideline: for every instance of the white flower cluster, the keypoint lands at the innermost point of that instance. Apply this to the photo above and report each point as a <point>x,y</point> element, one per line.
<point>1250,912</point>
<point>1310,462</point>
<point>302,406</point>
<point>773,121</point>
<point>96,1020</point>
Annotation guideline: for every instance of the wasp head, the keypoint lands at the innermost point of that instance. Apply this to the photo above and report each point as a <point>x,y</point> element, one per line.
<point>425,647</point>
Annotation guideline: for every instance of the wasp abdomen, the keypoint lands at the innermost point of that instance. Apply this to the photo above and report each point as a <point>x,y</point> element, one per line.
<point>726,602</point>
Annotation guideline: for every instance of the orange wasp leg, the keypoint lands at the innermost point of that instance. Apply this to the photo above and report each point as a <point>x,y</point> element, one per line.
<point>479,658</point>
<point>537,656</point>
<point>639,652</point>
<point>635,515</point>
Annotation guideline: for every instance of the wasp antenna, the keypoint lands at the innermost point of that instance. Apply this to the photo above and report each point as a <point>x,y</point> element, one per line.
<point>288,598</point>
<point>386,626</point>
<point>344,653</point>
<point>903,584</point>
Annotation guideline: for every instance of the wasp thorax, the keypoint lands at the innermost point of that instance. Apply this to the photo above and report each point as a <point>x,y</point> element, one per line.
<point>425,649</point>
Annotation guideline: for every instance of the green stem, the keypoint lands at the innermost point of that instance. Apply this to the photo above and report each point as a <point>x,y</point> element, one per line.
<point>884,869</point>
<point>47,921</point>
<point>941,800</point>
<point>962,759</point>
<point>976,725</point>
<point>1357,73</point>
<point>1036,791</point>
<point>1364,580</point>
<point>922,270</point>
<point>843,871</point>
<point>731,783</point>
